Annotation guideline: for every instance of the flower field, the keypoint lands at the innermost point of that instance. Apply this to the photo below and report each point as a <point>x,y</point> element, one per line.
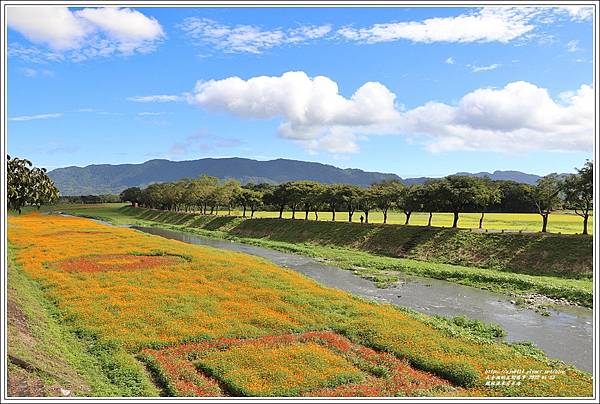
<point>211,322</point>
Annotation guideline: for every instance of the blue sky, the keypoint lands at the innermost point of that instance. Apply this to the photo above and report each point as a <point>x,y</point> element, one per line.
<point>420,91</point>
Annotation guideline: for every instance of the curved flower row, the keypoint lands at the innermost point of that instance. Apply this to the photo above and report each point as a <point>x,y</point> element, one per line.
<point>289,365</point>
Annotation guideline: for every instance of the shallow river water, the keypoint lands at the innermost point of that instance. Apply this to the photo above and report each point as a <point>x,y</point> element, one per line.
<point>567,334</point>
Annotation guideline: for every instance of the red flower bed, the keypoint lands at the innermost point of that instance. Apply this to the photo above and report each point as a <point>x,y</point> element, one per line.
<point>387,376</point>
<point>116,262</point>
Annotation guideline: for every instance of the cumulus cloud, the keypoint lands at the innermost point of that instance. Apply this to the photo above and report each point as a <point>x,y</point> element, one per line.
<point>312,110</point>
<point>35,117</point>
<point>520,117</point>
<point>449,61</point>
<point>83,34</point>
<point>248,38</point>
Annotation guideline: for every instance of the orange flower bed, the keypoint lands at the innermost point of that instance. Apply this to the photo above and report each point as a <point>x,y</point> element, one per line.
<point>157,299</point>
<point>308,364</point>
<point>116,262</point>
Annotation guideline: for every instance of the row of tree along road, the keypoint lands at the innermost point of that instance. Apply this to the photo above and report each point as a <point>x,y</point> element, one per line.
<point>454,194</point>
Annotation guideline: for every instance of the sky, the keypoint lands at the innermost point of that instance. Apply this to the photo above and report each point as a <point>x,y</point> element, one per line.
<point>420,91</point>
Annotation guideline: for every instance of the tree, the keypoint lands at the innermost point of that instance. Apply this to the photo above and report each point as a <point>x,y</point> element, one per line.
<point>546,197</point>
<point>516,197</point>
<point>578,190</point>
<point>309,195</point>
<point>367,202</point>
<point>27,185</point>
<point>131,195</point>
<point>350,196</point>
<point>203,191</point>
<point>248,198</point>
<point>408,200</point>
<point>385,194</point>
<point>278,197</point>
<point>488,194</point>
<point>429,198</point>
<point>458,192</point>
<point>254,201</point>
<point>333,198</point>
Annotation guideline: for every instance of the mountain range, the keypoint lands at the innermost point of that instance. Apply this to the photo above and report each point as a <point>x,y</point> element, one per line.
<point>112,179</point>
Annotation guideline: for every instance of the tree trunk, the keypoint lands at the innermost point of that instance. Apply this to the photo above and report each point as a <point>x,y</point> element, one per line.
<point>407,216</point>
<point>252,214</point>
<point>366,216</point>
<point>385,216</point>
<point>217,210</point>
<point>306,215</point>
<point>481,220</point>
<point>229,211</point>
<point>281,212</point>
<point>455,222</point>
<point>430,216</point>
<point>293,213</point>
<point>244,213</point>
<point>333,215</point>
<point>350,214</point>
<point>316,215</point>
<point>585,223</point>
<point>544,222</point>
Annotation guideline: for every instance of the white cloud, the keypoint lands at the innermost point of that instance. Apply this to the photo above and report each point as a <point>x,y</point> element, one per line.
<point>34,117</point>
<point>151,113</point>
<point>520,117</point>
<point>573,46</point>
<point>30,72</point>
<point>449,61</point>
<point>490,24</point>
<point>83,34</point>
<point>579,13</point>
<point>487,24</point>
<point>248,38</point>
<point>156,98</point>
<point>313,111</point>
<point>477,69</point>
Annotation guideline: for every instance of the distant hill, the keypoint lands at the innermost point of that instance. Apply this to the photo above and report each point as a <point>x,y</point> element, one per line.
<point>112,179</point>
<point>506,176</point>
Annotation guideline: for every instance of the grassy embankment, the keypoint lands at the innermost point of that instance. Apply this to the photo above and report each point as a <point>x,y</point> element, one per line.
<point>559,267</point>
<point>130,294</point>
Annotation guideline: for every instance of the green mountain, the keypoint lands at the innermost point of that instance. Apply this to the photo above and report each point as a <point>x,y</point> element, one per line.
<point>112,179</point>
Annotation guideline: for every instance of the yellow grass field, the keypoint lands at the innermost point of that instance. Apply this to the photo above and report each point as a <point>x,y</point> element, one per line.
<point>144,295</point>
<point>558,222</point>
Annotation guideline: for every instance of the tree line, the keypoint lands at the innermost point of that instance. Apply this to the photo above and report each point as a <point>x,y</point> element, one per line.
<point>454,193</point>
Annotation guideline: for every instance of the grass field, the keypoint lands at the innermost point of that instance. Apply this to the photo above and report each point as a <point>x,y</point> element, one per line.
<point>140,296</point>
<point>559,222</point>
